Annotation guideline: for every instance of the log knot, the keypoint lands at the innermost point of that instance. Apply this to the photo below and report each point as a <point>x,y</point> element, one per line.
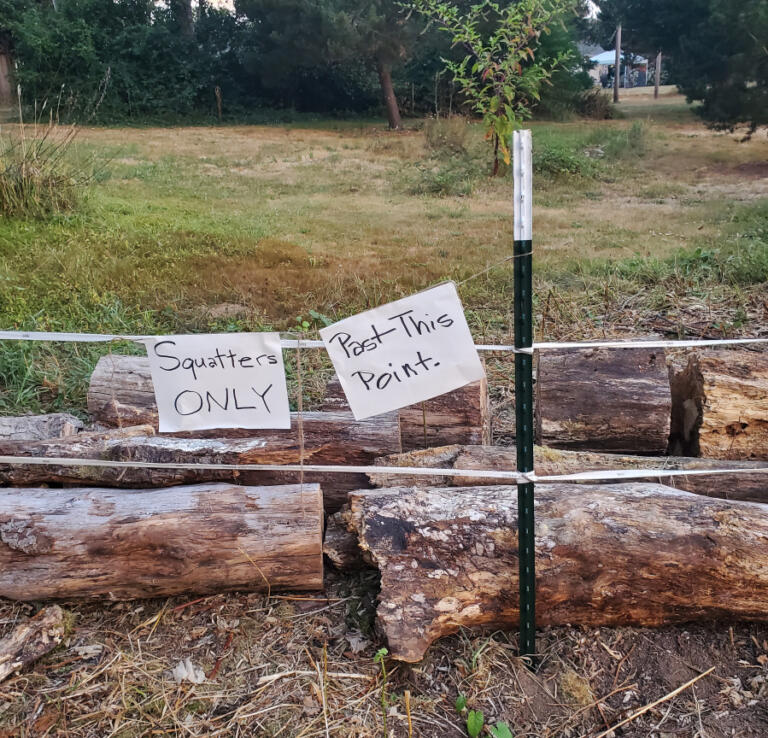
<point>20,535</point>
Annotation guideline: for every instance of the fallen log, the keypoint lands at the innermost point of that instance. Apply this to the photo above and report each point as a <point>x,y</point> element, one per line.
<point>721,401</point>
<point>628,554</point>
<point>604,400</point>
<point>741,485</point>
<point>329,438</point>
<point>127,544</point>
<point>121,393</point>
<point>31,640</point>
<point>38,427</point>
<point>460,416</point>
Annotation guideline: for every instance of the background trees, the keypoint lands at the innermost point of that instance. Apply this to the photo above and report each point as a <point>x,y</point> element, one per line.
<point>716,50</point>
<point>166,59</point>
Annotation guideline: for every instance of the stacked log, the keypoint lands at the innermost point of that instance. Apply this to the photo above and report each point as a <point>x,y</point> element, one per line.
<point>121,393</point>
<point>329,439</point>
<point>721,401</point>
<point>38,427</point>
<point>125,544</point>
<point>628,554</point>
<point>746,482</point>
<point>615,400</point>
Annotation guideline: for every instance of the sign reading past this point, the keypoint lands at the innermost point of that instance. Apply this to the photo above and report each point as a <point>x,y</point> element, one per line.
<point>404,352</point>
<point>225,380</point>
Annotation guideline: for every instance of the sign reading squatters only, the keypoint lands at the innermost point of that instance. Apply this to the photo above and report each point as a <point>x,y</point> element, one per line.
<point>227,380</point>
<point>404,352</point>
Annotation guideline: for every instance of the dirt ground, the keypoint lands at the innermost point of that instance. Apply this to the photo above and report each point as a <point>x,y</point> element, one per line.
<point>304,666</point>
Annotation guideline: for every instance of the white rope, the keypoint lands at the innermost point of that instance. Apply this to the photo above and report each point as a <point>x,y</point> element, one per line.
<point>289,343</point>
<point>512,476</point>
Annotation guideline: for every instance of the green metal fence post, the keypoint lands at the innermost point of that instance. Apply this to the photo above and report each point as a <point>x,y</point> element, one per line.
<point>523,324</point>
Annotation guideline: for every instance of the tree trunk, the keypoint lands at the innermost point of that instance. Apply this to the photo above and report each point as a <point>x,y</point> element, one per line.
<point>39,427</point>
<point>126,544</point>
<point>329,438</point>
<point>657,76</point>
<point>31,640</point>
<point>628,554</point>
<point>604,400</point>
<point>390,101</point>
<point>182,12</point>
<point>461,416</point>
<point>741,485</point>
<point>721,401</point>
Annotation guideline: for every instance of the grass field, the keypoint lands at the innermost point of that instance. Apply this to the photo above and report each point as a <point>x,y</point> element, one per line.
<point>645,224</point>
<point>225,228</point>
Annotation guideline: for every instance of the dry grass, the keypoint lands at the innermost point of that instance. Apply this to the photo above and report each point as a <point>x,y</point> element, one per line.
<point>296,666</point>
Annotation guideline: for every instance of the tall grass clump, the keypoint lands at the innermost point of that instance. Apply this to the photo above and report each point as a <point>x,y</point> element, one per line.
<point>38,174</point>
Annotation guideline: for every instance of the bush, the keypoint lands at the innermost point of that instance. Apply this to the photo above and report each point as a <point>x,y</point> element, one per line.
<point>595,104</point>
<point>556,161</point>
<point>446,135</point>
<point>455,176</point>
<point>36,176</point>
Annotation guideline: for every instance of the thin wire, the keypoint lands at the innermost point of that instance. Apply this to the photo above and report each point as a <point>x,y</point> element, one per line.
<point>493,266</point>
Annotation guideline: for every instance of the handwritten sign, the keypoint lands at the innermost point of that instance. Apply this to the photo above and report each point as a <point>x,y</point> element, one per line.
<point>226,380</point>
<point>403,352</point>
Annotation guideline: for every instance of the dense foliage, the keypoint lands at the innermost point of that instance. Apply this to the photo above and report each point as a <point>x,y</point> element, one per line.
<point>165,60</point>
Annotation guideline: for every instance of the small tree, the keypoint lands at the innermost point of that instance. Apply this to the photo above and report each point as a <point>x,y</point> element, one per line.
<point>500,76</point>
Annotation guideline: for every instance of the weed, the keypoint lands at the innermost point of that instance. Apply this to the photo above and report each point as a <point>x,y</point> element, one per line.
<point>446,135</point>
<point>454,176</point>
<point>475,722</point>
<point>380,658</point>
<point>37,175</point>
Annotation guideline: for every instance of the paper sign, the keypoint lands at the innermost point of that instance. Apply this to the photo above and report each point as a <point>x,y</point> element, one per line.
<point>225,380</point>
<point>403,352</point>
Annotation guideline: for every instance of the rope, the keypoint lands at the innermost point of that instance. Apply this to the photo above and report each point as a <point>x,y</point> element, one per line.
<point>512,476</point>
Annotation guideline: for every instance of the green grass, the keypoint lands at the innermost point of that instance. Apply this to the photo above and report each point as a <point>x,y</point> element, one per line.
<point>339,217</point>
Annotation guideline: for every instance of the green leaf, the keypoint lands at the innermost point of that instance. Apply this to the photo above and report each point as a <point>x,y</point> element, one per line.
<point>501,730</point>
<point>381,654</point>
<point>461,703</point>
<point>475,721</point>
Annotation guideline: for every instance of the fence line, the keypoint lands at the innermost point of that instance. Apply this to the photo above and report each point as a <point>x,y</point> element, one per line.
<point>292,343</point>
<point>512,476</point>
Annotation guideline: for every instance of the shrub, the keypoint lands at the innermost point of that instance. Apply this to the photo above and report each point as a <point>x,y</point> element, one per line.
<point>453,176</point>
<point>558,160</point>
<point>37,177</point>
<point>594,104</point>
<point>446,135</point>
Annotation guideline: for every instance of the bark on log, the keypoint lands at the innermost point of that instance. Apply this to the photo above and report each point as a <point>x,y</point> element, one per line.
<point>629,554</point>
<point>329,438</point>
<point>741,485</point>
<point>31,640</point>
<point>121,393</point>
<point>721,401</point>
<point>604,400</point>
<point>128,544</point>
<point>38,427</point>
